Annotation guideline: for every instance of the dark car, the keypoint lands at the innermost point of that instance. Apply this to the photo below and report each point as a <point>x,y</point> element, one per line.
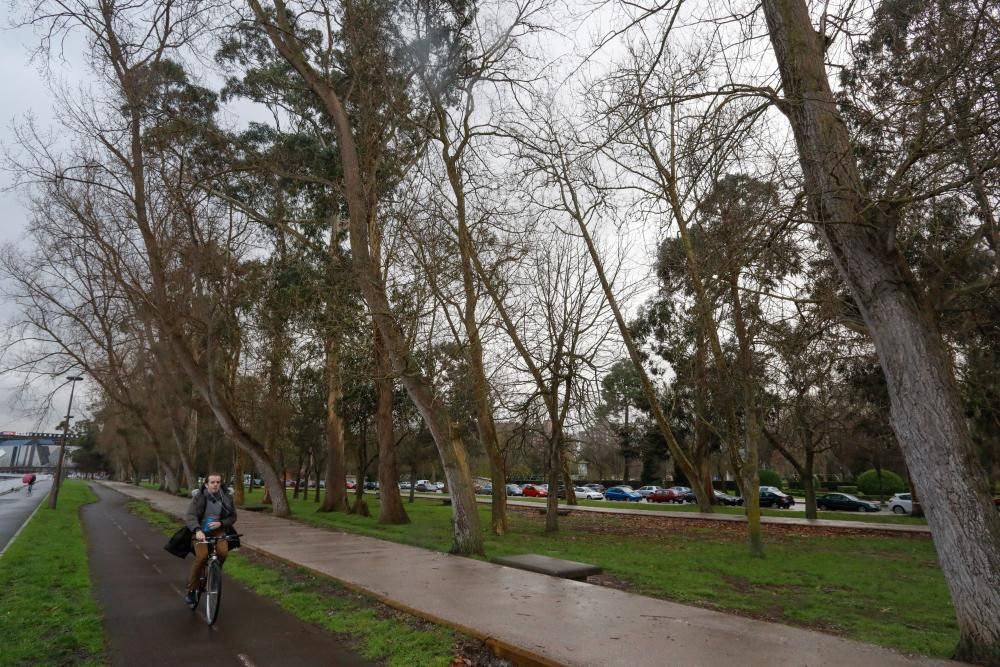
<point>845,502</point>
<point>726,499</point>
<point>772,496</point>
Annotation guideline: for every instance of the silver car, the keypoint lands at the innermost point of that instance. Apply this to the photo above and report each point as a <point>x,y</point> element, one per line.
<point>901,503</point>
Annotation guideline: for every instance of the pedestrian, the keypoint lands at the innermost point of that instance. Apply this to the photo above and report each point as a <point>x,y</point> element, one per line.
<point>29,479</point>
<point>211,513</point>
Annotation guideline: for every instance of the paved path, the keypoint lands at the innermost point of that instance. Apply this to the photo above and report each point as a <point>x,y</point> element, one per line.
<point>140,589</point>
<point>16,506</point>
<point>541,620</point>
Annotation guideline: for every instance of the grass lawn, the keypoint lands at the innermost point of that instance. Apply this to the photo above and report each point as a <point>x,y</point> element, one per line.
<point>370,628</point>
<point>48,615</point>
<point>882,589</point>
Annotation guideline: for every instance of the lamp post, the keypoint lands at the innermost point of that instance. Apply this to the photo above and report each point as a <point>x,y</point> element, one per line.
<point>54,494</point>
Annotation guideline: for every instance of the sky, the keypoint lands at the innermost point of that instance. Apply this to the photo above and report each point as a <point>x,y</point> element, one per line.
<point>23,95</point>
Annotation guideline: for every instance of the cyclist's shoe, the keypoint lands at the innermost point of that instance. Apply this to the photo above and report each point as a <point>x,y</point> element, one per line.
<point>191,599</point>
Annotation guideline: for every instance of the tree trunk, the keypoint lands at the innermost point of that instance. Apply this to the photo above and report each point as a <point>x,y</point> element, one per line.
<point>391,510</point>
<point>335,498</point>
<point>925,407</point>
<point>809,483</point>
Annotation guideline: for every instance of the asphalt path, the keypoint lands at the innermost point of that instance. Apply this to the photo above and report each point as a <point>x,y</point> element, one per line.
<point>17,506</point>
<point>140,588</point>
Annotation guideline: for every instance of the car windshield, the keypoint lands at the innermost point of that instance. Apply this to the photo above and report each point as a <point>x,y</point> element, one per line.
<point>850,497</point>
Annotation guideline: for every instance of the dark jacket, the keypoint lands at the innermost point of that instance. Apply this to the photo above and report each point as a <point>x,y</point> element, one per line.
<point>196,510</point>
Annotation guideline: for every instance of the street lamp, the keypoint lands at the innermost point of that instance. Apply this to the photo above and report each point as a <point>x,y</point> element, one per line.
<point>54,494</point>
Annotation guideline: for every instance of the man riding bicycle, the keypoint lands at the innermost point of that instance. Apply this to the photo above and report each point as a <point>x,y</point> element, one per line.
<point>211,513</point>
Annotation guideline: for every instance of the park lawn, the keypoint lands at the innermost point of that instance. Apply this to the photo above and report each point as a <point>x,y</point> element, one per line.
<point>48,615</point>
<point>393,639</point>
<point>885,590</point>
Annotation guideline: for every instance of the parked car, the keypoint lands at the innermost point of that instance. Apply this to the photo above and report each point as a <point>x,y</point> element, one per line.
<point>514,490</point>
<point>350,485</point>
<point>726,499</point>
<point>625,493</point>
<point>486,489</point>
<point>647,491</point>
<point>405,486</point>
<point>845,502</point>
<point>534,491</point>
<point>901,503</point>
<point>425,485</point>
<point>371,485</point>
<point>675,494</point>
<point>772,496</point>
<point>440,486</point>
<point>585,493</point>
<point>600,488</point>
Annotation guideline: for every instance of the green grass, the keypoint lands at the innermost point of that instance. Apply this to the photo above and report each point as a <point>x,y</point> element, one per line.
<point>48,615</point>
<point>372,629</point>
<point>882,589</point>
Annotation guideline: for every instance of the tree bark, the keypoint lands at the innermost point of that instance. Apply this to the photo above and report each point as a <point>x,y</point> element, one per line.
<point>925,407</point>
<point>391,509</point>
<point>335,498</point>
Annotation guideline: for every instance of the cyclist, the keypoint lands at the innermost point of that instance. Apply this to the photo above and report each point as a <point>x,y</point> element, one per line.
<point>29,479</point>
<point>211,513</point>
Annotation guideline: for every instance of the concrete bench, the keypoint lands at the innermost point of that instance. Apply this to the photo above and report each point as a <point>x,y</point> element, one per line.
<point>556,567</point>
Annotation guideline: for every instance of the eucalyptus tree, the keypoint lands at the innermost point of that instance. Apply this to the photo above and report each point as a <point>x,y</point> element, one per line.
<point>859,224</point>
<point>354,59</point>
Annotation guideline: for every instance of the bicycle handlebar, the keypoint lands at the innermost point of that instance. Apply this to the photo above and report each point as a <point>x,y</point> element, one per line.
<point>213,540</point>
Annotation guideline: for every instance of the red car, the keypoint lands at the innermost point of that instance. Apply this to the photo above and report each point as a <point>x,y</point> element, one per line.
<point>534,491</point>
<point>675,494</point>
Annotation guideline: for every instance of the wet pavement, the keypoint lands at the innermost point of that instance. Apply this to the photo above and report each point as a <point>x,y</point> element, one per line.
<point>535,619</point>
<point>139,587</point>
<point>16,506</point>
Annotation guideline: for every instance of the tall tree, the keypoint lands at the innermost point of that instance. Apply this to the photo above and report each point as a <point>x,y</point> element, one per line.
<point>860,230</point>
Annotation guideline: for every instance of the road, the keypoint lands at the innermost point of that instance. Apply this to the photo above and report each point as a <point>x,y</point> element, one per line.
<point>17,506</point>
<point>140,589</point>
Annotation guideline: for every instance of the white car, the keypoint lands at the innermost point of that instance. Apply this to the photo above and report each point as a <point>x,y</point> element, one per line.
<point>583,493</point>
<point>901,503</point>
<point>647,491</point>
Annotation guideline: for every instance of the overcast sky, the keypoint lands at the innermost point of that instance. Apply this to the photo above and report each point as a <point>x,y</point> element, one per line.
<point>24,95</point>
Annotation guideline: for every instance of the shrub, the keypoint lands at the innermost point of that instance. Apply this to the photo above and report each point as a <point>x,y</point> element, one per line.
<point>847,489</point>
<point>891,483</point>
<point>770,478</point>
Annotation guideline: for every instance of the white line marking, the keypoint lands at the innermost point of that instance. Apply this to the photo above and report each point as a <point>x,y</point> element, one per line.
<point>245,660</point>
<point>157,568</point>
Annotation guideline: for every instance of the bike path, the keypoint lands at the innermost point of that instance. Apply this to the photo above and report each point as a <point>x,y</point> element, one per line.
<point>536,619</point>
<point>16,506</point>
<point>140,589</point>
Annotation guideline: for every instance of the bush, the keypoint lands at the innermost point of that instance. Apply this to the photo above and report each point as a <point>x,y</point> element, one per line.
<point>847,489</point>
<point>891,483</point>
<point>770,478</point>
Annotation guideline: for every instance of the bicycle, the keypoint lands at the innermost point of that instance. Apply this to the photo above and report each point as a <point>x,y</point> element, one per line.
<point>210,582</point>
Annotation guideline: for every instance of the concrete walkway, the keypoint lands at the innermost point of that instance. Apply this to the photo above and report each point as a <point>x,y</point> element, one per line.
<point>535,619</point>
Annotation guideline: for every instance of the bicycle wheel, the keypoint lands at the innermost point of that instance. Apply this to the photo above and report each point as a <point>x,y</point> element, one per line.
<point>213,591</point>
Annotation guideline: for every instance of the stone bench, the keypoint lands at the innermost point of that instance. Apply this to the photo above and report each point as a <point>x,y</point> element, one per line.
<point>556,567</point>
